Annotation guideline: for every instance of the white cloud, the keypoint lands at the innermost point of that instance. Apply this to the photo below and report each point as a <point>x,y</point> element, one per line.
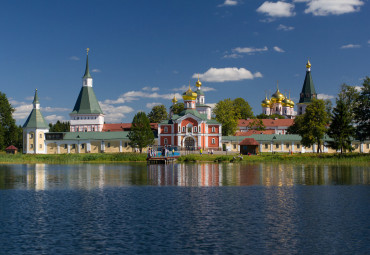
<point>284,28</point>
<point>368,42</point>
<point>115,113</point>
<point>151,105</point>
<point>229,3</point>
<point>96,70</point>
<point>54,118</point>
<point>150,88</point>
<point>233,55</point>
<point>206,89</point>
<point>54,109</point>
<point>74,58</point>
<point>335,7</point>
<point>325,96</point>
<point>278,9</point>
<point>227,74</point>
<point>22,111</point>
<point>359,88</point>
<point>277,49</point>
<point>350,46</point>
<point>136,95</point>
<point>249,50</point>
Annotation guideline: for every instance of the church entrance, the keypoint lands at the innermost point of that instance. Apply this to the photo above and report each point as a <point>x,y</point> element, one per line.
<point>189,143</point>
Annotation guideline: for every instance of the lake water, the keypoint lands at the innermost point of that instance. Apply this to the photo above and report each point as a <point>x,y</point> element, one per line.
<point>184,209</point>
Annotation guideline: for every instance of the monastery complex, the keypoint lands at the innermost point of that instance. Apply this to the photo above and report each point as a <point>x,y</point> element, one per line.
<point>192,129</point>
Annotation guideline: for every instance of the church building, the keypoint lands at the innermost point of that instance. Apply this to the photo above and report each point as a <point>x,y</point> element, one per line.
<point>193,128</point>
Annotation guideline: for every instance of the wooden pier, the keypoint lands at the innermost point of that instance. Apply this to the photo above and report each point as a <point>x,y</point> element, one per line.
<point>161,160</point>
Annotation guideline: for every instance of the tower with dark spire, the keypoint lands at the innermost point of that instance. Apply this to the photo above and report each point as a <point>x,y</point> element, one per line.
<point>87,115</point>
<point>34,130</point>
<point>308,91</point>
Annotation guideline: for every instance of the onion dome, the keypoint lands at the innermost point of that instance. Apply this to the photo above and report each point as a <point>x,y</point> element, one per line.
<point>266,102</point>
<point>291,103</point>
<point>174,100</point>
<point>189,94</point>
<point>277,97</point>
<point>285,102</point>
<point>198,83</point>
<point>308,65</point>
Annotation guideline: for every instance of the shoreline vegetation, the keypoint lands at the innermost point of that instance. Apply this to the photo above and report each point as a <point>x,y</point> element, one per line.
<point>352,158</point>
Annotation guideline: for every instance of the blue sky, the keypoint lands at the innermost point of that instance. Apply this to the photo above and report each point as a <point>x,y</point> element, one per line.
<point>143,52</point>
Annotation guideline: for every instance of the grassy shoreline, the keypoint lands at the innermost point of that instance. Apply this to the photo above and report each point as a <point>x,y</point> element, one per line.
<point>353,158</point>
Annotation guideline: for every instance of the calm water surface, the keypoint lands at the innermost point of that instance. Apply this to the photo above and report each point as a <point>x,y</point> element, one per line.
<point>184,209</point>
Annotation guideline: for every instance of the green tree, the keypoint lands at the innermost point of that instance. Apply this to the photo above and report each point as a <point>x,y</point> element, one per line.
<point>341,129</point>
<point>242,108</point>
<point>177,108</point>
<point>297,125</point>
<point>8,129</point>
<point>141,135</point>
<point>276,116</point>
<point>349,95</point>
<point>362,112</point>
<point>262,116</point>
<point>224,112</point>
<point>157,114</point>
<point>59,126</point>
<point>257,124</point>
<point>313,125</point>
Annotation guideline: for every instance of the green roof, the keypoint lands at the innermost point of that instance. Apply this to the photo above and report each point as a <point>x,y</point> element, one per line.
<point>200,92</point>
<point>36,98</point>
<point>268,138</point>
<point>212,121</point>
<point>35,120</point>
<point>96,135</point>
<point>87,71</point>
<point>86,102</point>
<point>202,105</point>
<point>308,89</point>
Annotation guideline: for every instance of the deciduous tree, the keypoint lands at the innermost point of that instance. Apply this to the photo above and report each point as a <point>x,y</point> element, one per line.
<point>157,114</point>
<point>141,135</point>
<point>224,112</point>
<point>59,126</point>
<point>242,108</point>
<point>8,129</point>
<point>177,108</point>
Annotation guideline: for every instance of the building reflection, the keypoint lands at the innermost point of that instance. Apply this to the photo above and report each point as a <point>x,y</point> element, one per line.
<point>98,176</point>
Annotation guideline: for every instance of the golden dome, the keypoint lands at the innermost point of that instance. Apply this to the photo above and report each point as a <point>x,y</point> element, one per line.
<point>277,97</point>
<point>308,65</point>
<point>189,94</point>
<point>286,102</point>
<point>174,100</point>
<point>266,102</point>
<point>198,83</point>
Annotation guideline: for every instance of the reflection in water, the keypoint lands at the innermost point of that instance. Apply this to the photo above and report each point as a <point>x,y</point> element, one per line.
<point>92,176</point>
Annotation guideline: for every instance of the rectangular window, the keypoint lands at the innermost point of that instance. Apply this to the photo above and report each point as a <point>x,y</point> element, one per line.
<point>287,145</point>
<point>298,145</point>
<point>183,129</point>
<point>356,146</point>
<point>73,146</point>
<point>108,145</point>
<point>213,141</point>
<point>31,136</point>
<point>266,146</point>
<point>83,146</point>
<point>277,146</point>
<point>166,129</point>
<point>213,129</point>
<point>368,145</point>
<point>31,146</point>
<point>234,146</point>
<point>65,146</point>
<point>165,141</point>
<point>125,145</point>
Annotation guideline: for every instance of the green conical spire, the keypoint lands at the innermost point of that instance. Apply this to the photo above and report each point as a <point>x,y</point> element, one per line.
<point>87,71</point>
<point>308,90</point>
<point>36,98</point>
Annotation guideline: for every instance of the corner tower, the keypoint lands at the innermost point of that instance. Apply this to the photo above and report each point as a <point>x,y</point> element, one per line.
<point>87,115</point>
<point>308,91</point>
<point>34,130</point>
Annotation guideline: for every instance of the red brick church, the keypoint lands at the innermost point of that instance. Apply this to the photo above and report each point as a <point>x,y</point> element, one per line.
<point>193,128</point>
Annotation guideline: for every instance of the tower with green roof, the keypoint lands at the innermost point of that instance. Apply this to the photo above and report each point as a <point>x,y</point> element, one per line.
<point>201,106</point>
<point>308,91</point>
<point>87,115</point>
<point>34,130</point>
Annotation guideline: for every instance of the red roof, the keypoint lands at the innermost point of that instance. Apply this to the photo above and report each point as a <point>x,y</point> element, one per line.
<point>249,141</point>
<point>268,122</point>
<point>123,127</point>
<point>255,132</point>
<point>11,147</point>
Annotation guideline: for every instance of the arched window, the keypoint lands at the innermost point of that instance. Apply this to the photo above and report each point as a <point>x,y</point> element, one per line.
<point>195,129</point>
<point>213,141</point>
<point>165,129</point>
<point>165,141</point>
<point>213,129</point>
<point>183,129</point>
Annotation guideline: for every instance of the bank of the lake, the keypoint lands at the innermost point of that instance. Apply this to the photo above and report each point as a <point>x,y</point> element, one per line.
<point>352,158</point>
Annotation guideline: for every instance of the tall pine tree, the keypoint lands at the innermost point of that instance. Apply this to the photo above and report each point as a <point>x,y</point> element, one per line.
<point>341,129</point>
<point>9,132</point>
<point>362,112</point>
<point>141,135</point>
